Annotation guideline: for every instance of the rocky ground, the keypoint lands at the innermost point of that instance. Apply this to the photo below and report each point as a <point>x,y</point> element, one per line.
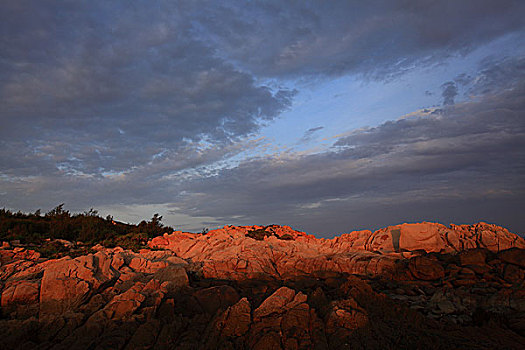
<point>406,286</point>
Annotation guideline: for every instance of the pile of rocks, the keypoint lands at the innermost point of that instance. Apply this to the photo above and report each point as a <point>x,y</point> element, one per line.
<point>461,286</point>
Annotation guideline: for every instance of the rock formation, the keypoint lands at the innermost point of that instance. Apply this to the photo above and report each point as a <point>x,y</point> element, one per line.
<point>254,287</point>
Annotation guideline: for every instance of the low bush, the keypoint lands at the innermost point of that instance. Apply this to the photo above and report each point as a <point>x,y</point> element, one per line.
<point>258,234</point>
<point>88,227</point>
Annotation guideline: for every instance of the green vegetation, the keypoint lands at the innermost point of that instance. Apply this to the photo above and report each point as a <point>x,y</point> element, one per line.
<point>88,227</point>
<point>259,234</point>
<point>134,241</point>
<point>286,237</point>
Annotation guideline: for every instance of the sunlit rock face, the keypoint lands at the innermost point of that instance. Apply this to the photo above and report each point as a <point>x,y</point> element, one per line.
<point>281,252</point>
<point>254,287</point>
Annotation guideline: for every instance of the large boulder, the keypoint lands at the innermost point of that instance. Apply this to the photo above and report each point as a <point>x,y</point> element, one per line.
<point>20,292</point>
<point>283,318</point>
<point>235,320</point>
<point>345,315</point>
<point>473,257</point>
<point>215,298</point>
<point>67,283</point>
<point>426,269</point>
<point>124,305</point>
<point>278,302</point>
<point>513,256</point>
<point>20,298</point>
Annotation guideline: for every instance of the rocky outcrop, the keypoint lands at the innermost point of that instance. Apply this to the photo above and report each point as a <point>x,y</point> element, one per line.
<point>253,287</point>
<point>238,253</point>
<point>431,237</point>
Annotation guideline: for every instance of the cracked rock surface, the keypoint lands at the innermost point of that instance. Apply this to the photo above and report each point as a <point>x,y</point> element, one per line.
<point>405,286</point>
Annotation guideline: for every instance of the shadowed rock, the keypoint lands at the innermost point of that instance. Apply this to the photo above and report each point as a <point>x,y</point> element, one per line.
<point>254,287</point>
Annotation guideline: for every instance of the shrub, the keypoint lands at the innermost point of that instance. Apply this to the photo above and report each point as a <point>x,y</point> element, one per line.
<point>87,227</point>
<point>52,249</point>
<point>134,241</point>
<point>258,234</point>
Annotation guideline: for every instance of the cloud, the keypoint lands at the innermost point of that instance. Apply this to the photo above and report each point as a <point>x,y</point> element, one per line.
<point>98,88</point>
<point>312,130</point>
<point>377,39</point>
<point>450,91</point>
<point>108,104</point>
<point>308,134</point>
<point>496,75</point>
<point>91,88</point>
<point>468,157</point>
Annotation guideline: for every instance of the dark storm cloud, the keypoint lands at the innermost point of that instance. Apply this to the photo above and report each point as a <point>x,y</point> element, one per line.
<point>107,102</point>
<point>100,87</point>
<point>159,181</point>
<point>449,93</point>
<point>92,87</point>
<point>496,75</point>
<point>470,153</point>
<point>376,38</point>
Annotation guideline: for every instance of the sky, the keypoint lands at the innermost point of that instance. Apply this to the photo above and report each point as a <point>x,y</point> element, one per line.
<point>328,116</point>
